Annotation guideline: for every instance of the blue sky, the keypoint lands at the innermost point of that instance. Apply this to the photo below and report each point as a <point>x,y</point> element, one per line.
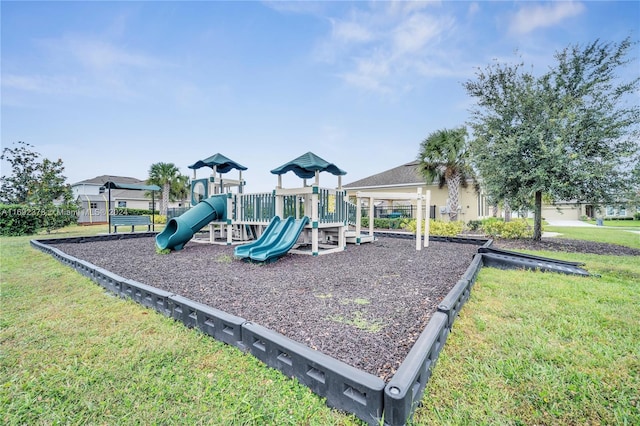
<point>112,87</point>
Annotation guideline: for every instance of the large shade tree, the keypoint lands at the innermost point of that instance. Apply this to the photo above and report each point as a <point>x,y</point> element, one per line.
<point>36,182</point>
<point>443,158</point>
<point>568,134</point>
<point>33,180</point>
<point>168,177</point>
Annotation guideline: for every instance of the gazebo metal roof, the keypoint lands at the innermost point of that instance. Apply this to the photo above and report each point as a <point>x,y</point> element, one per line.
<point>118,185</point>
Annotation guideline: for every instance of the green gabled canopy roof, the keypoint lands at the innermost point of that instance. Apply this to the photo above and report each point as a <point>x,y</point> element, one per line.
<point>118,185</point>
<point>222,164</point>
<point>306,165</point>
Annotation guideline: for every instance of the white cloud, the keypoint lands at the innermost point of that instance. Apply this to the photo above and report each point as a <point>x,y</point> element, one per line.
<point>88,67</point>
<point>414,33</point>
<point>24,82</point>
<point>98,55</point>
<point>370,73</point>
<point>350,32</point>
<point>380,47</point>
<point>530,18</point>
<point>474,8</point>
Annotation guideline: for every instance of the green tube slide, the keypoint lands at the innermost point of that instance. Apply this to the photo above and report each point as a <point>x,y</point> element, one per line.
<point>179,230</point>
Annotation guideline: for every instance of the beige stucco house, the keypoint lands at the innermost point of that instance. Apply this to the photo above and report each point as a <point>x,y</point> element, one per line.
<point>407,179</point>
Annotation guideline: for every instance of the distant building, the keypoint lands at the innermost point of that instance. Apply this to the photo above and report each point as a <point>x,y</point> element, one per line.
<point>407,179</point>
<point>572,210</point>
<point>473,205</point>
<point>93,197</point>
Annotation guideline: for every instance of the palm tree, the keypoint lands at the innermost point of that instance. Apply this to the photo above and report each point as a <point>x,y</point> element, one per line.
<point>443,157</point>
<point>166,176</point>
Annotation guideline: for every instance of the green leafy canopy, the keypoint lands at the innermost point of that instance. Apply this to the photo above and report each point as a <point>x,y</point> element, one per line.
<point>570,133</point>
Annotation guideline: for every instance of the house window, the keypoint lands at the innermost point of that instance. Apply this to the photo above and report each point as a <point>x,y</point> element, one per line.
<point>93,205</point>
<point>622,211</point>
<point>122,204</point>
<point>610,211</point>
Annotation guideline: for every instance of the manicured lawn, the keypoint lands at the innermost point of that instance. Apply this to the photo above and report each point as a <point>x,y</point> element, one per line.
<point>71,354</point>
<point>542,348</point>
<point>619,236</point>
<point>528,348</point>
<point>618,223</point>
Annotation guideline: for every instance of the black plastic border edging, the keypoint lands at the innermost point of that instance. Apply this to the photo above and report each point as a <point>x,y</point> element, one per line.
<point>406,388</point>
<point>220,325</point>
<point>344,387</point>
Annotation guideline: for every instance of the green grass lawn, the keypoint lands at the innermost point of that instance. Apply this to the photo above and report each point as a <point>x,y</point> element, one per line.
<point>528,348</point>
<point>618,223</point>
<point>605,235</point>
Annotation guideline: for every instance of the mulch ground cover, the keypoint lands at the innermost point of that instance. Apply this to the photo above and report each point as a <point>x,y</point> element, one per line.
<point>567,245</point>
<point>365,306</point>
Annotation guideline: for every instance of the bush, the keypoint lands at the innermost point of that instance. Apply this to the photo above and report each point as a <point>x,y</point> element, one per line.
<point>134,212</point>
<point>159,219</point>
<point>636,216</point>
<point>21,219</point>
<point>517,228</point>
<point>382,223</point>
<point>474,225</point>
<point>437,227</point>
<point>16,219</point>
<point>492,226</point>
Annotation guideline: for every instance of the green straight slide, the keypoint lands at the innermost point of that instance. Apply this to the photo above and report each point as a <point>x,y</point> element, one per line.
<point>279,237</point>
<point>179,230</point>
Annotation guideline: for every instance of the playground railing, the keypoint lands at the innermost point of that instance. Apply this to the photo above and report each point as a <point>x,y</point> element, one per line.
<point>332,206</point>
<point>289,206</point>
<point>176,211</point>
<point>259,207</point>
<point>351,213</point>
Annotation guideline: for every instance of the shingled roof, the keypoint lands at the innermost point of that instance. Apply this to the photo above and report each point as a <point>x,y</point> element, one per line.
<point>101,180</point>
<point>406,174</point>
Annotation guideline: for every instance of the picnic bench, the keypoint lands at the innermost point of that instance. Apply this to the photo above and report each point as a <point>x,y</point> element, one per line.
<point>130,220</point>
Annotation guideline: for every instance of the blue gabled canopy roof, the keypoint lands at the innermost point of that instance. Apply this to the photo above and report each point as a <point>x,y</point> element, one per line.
<point>222,164</point>
<point>139,187</point>
<point>306,165</point>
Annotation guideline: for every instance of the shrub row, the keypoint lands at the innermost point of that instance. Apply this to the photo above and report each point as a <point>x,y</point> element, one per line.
<point>134,212</point>
<point>21,219</point>
<point>436,227</point>
<point>494,227</point>
<point>497,227</point>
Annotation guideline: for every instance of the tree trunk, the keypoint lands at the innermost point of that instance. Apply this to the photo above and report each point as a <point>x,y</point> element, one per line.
<point>537,218</point>
<point>165,198</point>
<point>453,186</point>
<point>507,211</point>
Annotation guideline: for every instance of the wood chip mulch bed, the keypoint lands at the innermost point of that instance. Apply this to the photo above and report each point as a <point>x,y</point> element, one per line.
<point>365,306</point>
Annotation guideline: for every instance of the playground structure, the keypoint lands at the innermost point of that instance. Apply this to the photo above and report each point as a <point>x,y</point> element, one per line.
<point>320,215</point>
<point>310,219</point>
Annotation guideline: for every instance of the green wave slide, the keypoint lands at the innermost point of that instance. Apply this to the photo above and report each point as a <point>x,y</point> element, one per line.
<point>279,237</point>
<point>179,230</point>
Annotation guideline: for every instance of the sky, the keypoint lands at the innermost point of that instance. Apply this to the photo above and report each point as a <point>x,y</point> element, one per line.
<point>113,87</point>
